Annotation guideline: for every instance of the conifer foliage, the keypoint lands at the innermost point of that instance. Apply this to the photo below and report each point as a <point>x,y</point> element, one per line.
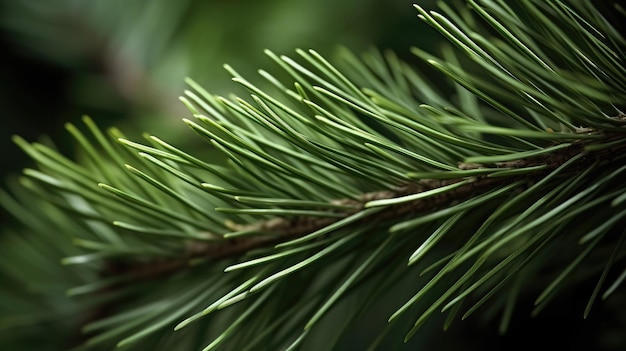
<point>339,198</point>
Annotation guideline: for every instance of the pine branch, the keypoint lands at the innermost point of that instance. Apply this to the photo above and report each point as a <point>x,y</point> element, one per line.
<point>428,195</point>
<point>349,186</point>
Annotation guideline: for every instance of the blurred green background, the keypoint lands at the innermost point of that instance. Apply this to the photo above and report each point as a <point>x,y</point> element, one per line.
<point>124,62</point>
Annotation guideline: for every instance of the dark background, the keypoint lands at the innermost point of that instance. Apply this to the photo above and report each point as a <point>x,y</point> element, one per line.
<point>124,64</point>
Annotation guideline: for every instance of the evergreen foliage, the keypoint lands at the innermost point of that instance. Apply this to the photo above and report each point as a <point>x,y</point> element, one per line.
<point>337,193</point>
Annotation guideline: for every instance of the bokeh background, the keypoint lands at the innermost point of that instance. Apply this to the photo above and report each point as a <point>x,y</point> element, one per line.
<point>124,63</point>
